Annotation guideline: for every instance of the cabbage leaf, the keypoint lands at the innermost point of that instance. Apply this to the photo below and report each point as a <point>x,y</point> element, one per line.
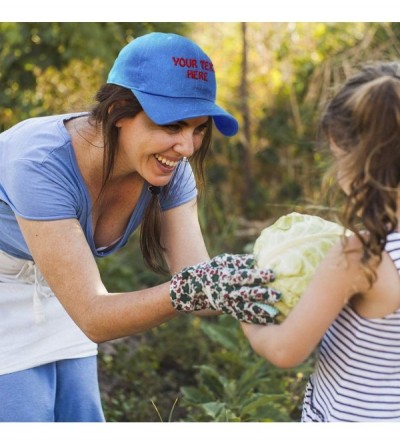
<point>293,247</point>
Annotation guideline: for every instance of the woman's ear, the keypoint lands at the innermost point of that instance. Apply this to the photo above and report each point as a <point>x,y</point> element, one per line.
<point>118,123</point>
<point>115,105</point>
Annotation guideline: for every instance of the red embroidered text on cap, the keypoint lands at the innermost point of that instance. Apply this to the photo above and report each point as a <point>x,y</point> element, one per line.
<point>194,72</point>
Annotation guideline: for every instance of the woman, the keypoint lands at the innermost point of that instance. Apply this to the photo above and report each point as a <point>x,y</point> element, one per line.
<point>74,187</point>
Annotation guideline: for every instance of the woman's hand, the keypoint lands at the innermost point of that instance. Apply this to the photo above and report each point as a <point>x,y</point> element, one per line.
<point>227,283</point>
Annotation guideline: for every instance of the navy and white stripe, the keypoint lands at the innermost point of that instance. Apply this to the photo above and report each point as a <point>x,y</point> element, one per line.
<point>357,377</point>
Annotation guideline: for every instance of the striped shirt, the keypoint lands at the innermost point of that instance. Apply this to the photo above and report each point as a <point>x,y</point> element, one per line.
<point>357,377</point>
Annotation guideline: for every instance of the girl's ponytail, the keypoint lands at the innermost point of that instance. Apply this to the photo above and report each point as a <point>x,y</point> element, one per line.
<point>363,119</point>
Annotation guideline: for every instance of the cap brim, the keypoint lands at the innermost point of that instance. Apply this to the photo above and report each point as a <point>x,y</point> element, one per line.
<point>164,110</point>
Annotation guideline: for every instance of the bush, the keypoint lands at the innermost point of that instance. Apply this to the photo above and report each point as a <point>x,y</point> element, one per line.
<point>140,376</point>
<point>237,385</point>
<point>196,370</point>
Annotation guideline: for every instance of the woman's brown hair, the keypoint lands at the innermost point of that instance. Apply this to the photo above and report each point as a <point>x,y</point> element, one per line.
<point>363,119</point>
<point>115,103</point>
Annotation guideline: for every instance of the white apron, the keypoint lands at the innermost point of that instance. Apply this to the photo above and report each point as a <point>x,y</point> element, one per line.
<point>34,327</point>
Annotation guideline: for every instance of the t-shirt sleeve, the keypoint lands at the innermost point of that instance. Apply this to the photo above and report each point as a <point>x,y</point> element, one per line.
<point>181,189</point>
<point>39,191</point>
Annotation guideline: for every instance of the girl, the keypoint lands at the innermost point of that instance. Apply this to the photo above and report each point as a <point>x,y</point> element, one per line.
<point>353,301</point>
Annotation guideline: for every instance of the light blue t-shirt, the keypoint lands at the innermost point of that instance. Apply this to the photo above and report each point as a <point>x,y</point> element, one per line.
<point>40,180</point>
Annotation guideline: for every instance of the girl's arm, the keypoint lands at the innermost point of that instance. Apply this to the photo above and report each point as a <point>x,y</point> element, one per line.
<point>63,256</point>
<point>336,280</point>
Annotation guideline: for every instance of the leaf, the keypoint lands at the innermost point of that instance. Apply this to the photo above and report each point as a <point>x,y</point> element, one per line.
<point>258,401</point>
<point>212,379</point>
<point>194,395</point>
<point>224,336</point>
<point>213,409</point>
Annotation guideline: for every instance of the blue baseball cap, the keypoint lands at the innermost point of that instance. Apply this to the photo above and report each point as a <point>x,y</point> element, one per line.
<point>172,78</point>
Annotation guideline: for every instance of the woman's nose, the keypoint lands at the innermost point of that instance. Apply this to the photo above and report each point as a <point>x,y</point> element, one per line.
<point>185,145</point>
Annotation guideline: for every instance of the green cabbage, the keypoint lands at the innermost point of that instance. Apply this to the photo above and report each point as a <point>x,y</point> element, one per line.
<point>293,247</point>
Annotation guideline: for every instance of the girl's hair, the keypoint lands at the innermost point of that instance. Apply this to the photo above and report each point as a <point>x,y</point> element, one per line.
<point>115,103</point>
<point>363,119</point>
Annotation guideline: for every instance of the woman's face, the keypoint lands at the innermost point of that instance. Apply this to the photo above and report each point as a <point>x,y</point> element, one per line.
<point>154,151</point>
<point>342,171</point>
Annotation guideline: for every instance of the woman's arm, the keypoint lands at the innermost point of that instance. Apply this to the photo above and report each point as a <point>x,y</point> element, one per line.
<point>336,280</point>
<point>62,254</point>
<point>182,237</point>
<point>184,243</point>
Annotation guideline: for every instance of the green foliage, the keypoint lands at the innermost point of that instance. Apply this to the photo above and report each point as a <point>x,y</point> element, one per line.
<point>192,370</point>
<point>140,377</point>
<point>235,385</point>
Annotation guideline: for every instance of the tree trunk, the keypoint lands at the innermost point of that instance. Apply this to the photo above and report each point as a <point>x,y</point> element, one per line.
<point>246,130</point>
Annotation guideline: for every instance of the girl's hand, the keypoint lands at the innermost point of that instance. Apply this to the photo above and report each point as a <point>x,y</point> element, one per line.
<point>226,283</point>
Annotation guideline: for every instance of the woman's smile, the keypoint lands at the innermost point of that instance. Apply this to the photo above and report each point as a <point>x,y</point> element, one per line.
<point>165,161</point>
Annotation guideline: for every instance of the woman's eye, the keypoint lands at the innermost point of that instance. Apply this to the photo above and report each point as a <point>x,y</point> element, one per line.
<point>202,129</point>
<point>173,127</point>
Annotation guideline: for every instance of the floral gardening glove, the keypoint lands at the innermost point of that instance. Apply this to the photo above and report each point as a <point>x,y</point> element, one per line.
<point>226,283</point>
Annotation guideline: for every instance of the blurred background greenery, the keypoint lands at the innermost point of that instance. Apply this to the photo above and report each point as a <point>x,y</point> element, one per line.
<point>275,78</point>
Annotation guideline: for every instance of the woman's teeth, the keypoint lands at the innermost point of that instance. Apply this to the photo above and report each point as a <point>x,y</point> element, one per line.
<point>165,161</point>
